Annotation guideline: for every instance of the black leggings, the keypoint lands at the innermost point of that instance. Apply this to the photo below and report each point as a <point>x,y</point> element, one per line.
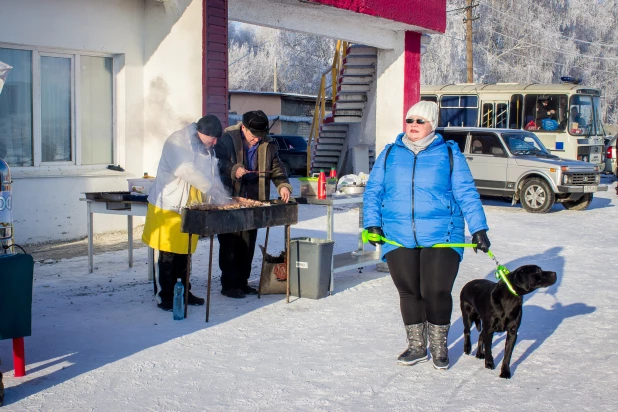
<point>424,279</point>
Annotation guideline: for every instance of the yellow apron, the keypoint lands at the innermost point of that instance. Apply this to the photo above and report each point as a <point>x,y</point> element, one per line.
<point>162,228</point>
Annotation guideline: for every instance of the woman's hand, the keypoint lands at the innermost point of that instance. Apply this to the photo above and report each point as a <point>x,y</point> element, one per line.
<point>377,231</point>
<point>481,240</point>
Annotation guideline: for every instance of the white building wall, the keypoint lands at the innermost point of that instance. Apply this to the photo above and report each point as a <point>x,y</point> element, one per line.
<point>172,72</point>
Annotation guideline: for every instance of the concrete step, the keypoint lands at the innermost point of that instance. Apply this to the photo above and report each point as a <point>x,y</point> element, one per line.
<point>351,97</point>
<point>347,119</point>
<point>362,49</point>
<point>342,88</point>
<point>325,159</point>
<point>334,128</point>
<point>333,146</point>
<point>334,133</point>
<point>334,153</point>
<point>348,112</point>
<point>358,70</point>
<point>354,60</point>
<point>330,140</point>
<point>348,106</point>
<point>357,79</point>
<point>316,166</point>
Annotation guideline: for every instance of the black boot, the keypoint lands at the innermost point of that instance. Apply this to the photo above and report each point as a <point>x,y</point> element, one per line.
<point>438,335</point>
<point>417,348</point>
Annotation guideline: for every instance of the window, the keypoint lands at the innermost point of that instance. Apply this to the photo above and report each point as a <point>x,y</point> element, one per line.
<point>545,112</point>
<point>56,109</point>
<point>430,98</point>
<point>296,142</point>
<point>517,110</point>
<point>487,144</point>
<point>459,138</point>
<point>458,111</point>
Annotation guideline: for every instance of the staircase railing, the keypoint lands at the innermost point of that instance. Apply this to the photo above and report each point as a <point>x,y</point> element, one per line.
<point>320,103</point>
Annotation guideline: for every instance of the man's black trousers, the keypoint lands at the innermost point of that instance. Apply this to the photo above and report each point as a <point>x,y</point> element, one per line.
<point>171,267</point>
<point>235,258</point>
<point>424,279</point>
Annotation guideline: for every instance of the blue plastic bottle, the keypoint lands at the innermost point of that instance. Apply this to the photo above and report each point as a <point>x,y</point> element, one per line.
<point>179,300</point>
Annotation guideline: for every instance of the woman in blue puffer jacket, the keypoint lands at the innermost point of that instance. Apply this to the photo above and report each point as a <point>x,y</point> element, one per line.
<point>419,192</point>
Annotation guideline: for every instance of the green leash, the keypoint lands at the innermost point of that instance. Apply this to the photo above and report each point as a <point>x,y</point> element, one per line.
<point>501,271</point>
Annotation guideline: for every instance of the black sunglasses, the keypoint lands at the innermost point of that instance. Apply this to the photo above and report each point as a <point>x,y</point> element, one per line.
<point>418,121</point>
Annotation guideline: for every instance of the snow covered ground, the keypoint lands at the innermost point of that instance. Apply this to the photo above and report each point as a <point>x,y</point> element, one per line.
<point>100,343</point>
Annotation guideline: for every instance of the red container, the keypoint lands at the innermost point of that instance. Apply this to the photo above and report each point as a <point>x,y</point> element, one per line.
<point>322,185</point>
<point>333,173</point>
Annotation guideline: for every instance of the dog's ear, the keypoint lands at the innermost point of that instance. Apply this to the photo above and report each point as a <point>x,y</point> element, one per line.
<point>523,275</point>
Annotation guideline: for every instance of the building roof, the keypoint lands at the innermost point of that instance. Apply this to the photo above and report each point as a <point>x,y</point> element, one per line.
<point>284,95</point>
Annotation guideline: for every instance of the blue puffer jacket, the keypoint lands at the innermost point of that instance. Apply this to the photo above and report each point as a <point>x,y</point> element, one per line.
<point>417,202</point>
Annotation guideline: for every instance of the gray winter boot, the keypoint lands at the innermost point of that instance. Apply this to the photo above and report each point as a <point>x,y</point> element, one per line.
<point>437,344</point>
<point>417,348</point>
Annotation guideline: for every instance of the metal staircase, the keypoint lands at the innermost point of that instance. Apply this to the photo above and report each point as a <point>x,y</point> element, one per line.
<point>353,72</point>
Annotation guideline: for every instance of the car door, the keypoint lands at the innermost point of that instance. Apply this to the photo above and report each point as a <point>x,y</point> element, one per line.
<point>488,163</point>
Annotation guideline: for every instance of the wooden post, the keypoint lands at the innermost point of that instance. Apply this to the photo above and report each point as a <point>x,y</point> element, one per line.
<point>263,261</point>
<point>287,260</point>
<point>212,241</point>
<point>469,58</point>
<point>188,275</point>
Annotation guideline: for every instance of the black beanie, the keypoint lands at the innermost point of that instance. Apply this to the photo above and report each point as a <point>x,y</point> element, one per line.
<point>210,125</point>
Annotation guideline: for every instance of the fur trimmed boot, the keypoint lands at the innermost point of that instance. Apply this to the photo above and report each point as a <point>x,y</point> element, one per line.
<point>417,346</point>
<point>438,335</point>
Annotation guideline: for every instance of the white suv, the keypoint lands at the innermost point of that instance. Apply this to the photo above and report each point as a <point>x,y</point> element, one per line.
<point>515,164</point>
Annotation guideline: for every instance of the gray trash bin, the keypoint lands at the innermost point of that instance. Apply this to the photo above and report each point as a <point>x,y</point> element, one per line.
<point>311,263</point>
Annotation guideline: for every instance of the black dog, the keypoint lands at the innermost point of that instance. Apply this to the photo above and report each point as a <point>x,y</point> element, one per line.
<point>494,308</point>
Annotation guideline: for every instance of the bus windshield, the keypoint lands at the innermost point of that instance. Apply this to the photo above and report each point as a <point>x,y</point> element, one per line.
<point>524,143</point>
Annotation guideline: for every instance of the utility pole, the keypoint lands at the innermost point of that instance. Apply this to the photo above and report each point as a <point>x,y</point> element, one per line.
<point>469,55</point>
<point>275,75</point>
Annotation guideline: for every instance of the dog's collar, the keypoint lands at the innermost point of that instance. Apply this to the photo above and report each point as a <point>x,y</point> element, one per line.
<point>501,273</point>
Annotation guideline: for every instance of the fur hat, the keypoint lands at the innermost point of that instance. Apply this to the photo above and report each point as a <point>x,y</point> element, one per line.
<point>426,110</point>
<point>257,122</point>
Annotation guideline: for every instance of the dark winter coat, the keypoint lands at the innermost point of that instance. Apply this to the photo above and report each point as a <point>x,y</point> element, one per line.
<point>230,151</point>
<point>418,201</point>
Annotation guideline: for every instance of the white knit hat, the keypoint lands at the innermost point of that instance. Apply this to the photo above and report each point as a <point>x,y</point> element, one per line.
<point>426,110</point>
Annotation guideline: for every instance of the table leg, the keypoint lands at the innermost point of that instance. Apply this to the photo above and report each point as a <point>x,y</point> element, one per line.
<point>287,259</point>
<point>152,263</point>
<point>263,262</point>
<point>361,247</point>
<point>19,359</point>
<point>130,234</point>
<point>90,235</point>
<point>188,275</point>
<point>212,241</point>
<point>330,222</point>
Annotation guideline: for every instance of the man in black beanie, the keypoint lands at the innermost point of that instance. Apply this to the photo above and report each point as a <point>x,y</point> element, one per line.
<point>243,149</point>
<point>187,171</point>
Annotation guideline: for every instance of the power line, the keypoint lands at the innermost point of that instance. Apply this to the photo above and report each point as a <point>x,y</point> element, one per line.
<point>554,50</point>
<point>511,19</point>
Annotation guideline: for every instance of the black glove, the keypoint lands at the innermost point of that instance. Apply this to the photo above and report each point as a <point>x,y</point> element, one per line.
<point>377,230</point>
<point>481,240</point>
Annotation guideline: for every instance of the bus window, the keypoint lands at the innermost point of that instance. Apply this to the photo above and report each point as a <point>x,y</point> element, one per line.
<point>458,111</point>
<point>596,102</point>
<point>487,119</point>
<point>517,110</point>
<point>429,98</point>
<point>541,112</point>
<point>580,116</point>
<point>501,115</point>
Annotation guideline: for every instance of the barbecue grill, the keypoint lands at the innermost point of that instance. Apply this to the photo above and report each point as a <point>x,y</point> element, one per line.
<point>218,220</point>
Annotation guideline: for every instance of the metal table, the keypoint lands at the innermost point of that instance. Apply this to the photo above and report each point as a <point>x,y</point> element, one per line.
<point>126,208</point>
<point>356,259</point>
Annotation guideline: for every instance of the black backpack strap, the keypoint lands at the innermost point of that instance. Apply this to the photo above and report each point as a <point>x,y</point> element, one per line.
<point>387,152</point>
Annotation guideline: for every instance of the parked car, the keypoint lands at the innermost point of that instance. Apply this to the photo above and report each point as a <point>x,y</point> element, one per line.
<point>293,153</point>
<point>611,151</point>
<point>515,164</point>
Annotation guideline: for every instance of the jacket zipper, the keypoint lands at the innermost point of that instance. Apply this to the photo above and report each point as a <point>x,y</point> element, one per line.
<point>413,220</point>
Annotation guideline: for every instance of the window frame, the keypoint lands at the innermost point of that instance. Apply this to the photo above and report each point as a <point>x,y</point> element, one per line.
<point>75,164</point>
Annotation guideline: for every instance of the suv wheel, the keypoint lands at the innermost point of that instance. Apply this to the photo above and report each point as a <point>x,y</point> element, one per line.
<point>579,204</point>
<point>536,196</point>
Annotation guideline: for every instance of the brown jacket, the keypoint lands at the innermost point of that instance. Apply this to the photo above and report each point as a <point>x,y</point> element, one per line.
<point>231,154</point>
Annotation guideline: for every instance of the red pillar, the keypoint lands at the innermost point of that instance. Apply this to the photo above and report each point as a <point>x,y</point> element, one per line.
<point>19,358</point>
<point>411,70</point>
<point>214,58</point>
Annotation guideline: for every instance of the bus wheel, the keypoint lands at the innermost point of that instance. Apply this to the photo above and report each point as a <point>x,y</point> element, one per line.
<point>536,196</point>
<point>580,204</point>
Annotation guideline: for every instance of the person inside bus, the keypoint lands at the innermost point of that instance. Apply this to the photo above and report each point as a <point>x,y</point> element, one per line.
<point>545,115</point>
<point>576,121</point>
